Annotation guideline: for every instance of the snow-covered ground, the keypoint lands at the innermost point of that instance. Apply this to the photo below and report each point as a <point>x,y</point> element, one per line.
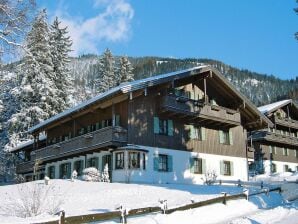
<point>81,197</point>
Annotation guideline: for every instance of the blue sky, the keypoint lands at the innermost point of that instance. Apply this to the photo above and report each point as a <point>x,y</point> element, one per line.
<point>251,34</point>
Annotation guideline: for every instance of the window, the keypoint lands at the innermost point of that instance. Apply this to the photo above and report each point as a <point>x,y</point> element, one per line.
<point>78,166</point>
<point>196,132</point>
<point>81,131</point>
<point>273,168</point>
<point>296,168</point>
<point>285,151</point>
<point>93,162</point>
<point>97,126</point>
<point>163,163</point>
<point>198,166</point>
<point>119,160</point>
<point>226,168</point>
<point>272,149</point>
<point>163,127</point>
<point>286,168</point>
<point>65,169</point>
<point>134,160</point>
<point>225,137</point>
<point>51,172</point>
<point>106,123</point>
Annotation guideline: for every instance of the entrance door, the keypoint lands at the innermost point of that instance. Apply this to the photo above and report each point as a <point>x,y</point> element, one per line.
<point>107,159</point>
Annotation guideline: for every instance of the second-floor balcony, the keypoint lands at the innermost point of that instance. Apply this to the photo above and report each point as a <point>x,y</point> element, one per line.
<point>195,109</point>
<point>287,122</point>
<point>105,137</point>
<point>275,137</point>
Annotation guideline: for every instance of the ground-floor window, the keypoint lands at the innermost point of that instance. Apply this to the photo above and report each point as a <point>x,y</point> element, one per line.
<point>286,168</point>
<point>163,163</point>
<point>65,170</point>
<point>273,168</point>
<point>51,172</point>
<point>92,162</point>
<point>119,160</point>
<point>226,168</point>
<point>78,166</point>
<point>198,166</point>
<point>134,160</point>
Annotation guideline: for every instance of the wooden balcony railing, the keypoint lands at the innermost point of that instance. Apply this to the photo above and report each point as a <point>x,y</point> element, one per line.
<point>286,122</point>
<point>25,167</point>
<point>197,109</point>
<point>275,137</point>
<point>108,136</point>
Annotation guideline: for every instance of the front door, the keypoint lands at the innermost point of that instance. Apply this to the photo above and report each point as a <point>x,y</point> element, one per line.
<point>107,159</point>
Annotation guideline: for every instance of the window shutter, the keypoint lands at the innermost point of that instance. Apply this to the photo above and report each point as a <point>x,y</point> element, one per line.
<point>170,128</point>
<point>191,164</point>
<point>170,163</point>
<point>192,134</point>
<point>231,137</point>
<point>155,163</point>
<point>221,137</point>
<point>156,125</point>
<point>117,120</point>
<point>203,166</point>
<point>203,133</point>
<point>60,171</point>
<point>68,170</point>
<point>222,169</point>
<point>96,162</point>
<point>232,168</point>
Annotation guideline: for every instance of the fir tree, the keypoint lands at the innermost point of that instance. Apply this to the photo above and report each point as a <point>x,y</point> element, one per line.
<point>60,48</point>
<point>36,92</point>
<point>106,76</point>
<point>125,71</point>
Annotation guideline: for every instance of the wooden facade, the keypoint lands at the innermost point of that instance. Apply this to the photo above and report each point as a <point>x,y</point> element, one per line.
<point>195,110</point>
<point>280,142</point>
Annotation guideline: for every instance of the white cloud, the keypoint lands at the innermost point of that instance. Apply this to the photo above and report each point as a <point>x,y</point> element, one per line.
<point>111,23</point>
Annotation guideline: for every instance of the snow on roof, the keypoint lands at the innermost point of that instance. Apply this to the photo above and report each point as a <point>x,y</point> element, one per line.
<point>27,143</point>
<point>269,107</point>
<point>124,88</point>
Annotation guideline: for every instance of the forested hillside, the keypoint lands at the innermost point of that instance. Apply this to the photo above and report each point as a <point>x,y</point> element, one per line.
<point>260,88</point>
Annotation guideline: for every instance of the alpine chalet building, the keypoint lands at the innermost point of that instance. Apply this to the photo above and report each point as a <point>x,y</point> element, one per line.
<point>276,148</point>
<point>170,128</point>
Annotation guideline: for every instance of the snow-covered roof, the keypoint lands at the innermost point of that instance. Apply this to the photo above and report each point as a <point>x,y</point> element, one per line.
<point>26,143</point>
<point>124,88</point>
<point>273,106</point>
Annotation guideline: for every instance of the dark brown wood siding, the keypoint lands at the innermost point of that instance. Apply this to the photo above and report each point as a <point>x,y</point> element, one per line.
<point>141,112</point>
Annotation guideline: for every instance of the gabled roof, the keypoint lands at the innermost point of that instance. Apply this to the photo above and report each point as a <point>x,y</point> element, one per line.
<point>152,81</point>
<point>269,108</point>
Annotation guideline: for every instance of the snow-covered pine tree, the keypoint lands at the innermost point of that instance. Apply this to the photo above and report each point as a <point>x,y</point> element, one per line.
<point>36,92</point>
<point>106,76</point>
<point>60,48</point>
<point>125,73</point>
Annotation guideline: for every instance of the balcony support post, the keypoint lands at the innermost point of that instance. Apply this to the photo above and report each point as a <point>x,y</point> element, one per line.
<point>113,115</point>
<point>205,90</point>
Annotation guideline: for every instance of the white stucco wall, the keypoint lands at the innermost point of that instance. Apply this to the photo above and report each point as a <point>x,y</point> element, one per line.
<point>279,166</point>
<point>181,167</point>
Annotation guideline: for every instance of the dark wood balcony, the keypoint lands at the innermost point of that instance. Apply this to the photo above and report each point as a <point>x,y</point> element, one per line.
<point>184,107</point>
<point>286,122</point>
<point>109,136</point>
<point>25,167</point>
<point>275,137</point>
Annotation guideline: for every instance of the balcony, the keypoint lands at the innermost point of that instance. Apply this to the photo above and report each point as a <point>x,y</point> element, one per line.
<point>286,122</point>
<point>109,136</point>
<point>275,137</point>
<point>185,107</point>
<point>25,167</point>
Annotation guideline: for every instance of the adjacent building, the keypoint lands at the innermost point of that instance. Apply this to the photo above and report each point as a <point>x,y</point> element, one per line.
<point>171,128</point>
<point>275,149</point>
